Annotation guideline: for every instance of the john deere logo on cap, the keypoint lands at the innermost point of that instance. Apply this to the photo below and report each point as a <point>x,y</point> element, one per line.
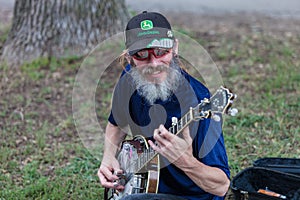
<point>146,25</point>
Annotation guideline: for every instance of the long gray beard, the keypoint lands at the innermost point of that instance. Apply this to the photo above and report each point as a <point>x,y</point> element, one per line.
<point>154,91</point>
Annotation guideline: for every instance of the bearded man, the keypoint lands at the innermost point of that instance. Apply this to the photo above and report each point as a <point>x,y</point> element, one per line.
<point>152,90</point>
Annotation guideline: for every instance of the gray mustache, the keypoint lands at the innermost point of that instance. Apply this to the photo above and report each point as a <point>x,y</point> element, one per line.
<point>151,69</point>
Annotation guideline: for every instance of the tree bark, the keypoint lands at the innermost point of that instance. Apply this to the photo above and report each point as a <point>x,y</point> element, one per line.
<point>61,27</point>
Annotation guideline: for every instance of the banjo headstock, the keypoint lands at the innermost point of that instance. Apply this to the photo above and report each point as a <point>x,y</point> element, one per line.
<point>220,102</point>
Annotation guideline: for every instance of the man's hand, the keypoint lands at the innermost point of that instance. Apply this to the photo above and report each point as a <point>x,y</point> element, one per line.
<point>179,151</point>
<point>174,148</point>
<point>110,166</point>
<point>107,173</point>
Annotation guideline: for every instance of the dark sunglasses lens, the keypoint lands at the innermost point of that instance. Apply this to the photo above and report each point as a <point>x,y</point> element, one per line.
<point>160,52</point>
<point>141,54</point>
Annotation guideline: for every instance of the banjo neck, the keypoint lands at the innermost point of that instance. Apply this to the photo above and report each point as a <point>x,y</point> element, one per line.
<point>176,128</point>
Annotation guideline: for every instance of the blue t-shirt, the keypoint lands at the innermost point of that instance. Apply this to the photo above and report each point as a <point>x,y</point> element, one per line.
<point>129,108</point>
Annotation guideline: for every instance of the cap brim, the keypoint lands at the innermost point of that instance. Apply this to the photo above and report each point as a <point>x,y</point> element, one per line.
<point>150,43</point>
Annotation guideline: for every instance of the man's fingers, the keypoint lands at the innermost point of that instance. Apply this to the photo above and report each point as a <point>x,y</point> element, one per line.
<point>164,133</point>
<point>103,180</point>
<point>109,179</point>
<point>108,173</point>
<point>186,134</point>
<point>153,146</point>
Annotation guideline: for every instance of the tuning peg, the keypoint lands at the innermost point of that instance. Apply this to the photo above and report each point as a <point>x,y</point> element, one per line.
<point>174,121</point>
<point>233,111</point>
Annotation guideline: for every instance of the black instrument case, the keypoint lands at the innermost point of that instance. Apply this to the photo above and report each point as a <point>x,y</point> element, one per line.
<point>268,179</point>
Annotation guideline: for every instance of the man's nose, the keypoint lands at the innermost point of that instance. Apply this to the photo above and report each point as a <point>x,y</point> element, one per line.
<point>153,60</point>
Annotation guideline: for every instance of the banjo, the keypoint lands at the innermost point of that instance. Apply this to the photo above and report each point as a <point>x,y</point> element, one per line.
<point>140,163</point>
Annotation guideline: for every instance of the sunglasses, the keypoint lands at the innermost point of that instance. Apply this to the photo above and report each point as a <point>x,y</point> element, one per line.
<point>145,53</point>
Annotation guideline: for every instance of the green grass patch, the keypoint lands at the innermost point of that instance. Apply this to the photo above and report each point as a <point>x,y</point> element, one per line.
<point>77,180</point>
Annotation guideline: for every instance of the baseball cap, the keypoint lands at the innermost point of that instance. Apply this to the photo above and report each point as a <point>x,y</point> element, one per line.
<point>148,30</point>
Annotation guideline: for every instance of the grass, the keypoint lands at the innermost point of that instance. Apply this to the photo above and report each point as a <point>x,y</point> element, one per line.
<point>42,156</point>
<point>268,90</point>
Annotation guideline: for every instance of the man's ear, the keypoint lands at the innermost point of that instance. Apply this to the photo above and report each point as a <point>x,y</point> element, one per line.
<point>127,57</point>
<point>175,47</point>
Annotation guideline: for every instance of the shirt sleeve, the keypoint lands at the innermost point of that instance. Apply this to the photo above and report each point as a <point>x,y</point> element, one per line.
<point>120,100</point>
<point>210,145</point>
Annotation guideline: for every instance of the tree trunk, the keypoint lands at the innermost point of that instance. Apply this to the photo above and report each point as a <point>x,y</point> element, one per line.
<point>61,27</point>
